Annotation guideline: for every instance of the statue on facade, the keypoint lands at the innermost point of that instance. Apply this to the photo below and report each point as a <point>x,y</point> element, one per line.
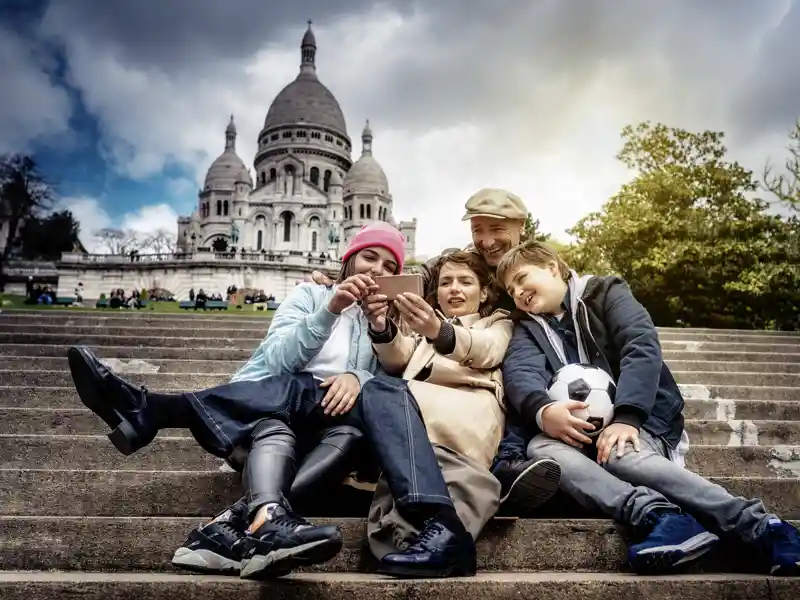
<point>234,234</point>
<point>333,237</point>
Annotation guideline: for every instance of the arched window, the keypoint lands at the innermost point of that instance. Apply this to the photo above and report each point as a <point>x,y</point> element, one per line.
<point>287,226</point>
<point>361,211</point>
<point>225,208</point>
<point>273,174</point>
<point>313,222</point>
<point>262,178</point>
<point>327,181</point>
<point>369,211</point>
<point>313,241</point>
<point>219,207</point>
<point>314,175</point>
<point>260,240</point>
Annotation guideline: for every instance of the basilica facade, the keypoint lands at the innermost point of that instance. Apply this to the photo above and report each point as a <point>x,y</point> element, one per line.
<point>267,228</point>
<point>305,194</point>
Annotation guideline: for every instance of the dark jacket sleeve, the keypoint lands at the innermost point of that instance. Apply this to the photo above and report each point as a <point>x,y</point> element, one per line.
<point>634,335</point>
<point>525,375</point>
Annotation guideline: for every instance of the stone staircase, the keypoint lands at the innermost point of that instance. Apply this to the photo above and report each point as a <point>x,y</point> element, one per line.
<point>80,520</point>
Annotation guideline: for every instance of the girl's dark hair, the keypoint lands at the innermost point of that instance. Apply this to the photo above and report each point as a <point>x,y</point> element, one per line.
<point>348,269</point>
<point>475,263</point>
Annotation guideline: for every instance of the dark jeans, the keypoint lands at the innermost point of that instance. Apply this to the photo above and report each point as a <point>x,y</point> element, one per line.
<point>222,418</point>
<point>515,440</point>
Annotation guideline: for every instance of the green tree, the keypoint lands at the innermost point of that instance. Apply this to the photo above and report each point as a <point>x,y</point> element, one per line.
<point>47,237</point>
<point>786,186</point>
<point>532,230</point>
<point>687,233</point>
<point>24,193</point>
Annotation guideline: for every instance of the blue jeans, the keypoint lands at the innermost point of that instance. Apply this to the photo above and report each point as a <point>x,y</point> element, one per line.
<point>222,418</point>
<point>515,440</point>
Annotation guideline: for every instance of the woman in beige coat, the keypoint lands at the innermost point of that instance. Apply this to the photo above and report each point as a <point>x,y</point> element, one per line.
<point>451,359</point>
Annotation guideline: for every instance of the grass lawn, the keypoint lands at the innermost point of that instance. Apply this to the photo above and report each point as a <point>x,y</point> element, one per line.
<point>18,302</point>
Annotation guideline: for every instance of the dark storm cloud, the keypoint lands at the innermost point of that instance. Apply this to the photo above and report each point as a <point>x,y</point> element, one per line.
<point>181,35</point>
<point>770,99</point>
<point>483,58</point>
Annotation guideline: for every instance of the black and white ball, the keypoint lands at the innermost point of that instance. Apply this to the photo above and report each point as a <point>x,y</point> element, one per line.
<point>590,384</point>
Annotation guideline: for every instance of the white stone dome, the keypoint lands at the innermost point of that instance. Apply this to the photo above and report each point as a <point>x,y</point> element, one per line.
<point>306,101</point>
<point>228,169</point>
<point>366,176</point>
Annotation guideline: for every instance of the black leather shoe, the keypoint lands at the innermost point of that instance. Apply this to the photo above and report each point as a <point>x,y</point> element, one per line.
<point>122,405</point>
<point>437,552</point>
<point>526,484</point>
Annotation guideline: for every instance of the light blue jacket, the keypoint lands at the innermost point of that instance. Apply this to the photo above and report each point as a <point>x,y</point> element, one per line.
<point>299,329</point>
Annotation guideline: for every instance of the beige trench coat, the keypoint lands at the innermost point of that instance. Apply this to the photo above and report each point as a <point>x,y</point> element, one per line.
<point>462,399</point>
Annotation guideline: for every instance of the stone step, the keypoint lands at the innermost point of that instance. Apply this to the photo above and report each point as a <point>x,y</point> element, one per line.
<point>736,455</point>
<point>197,381</point>
<point>727,397</point>
<point>258,330</point>
<point>138,338</point>
<point>765,430</point>
<point>223,354</point>
<point>105,492</point>
<point>358,586</point>
<point>147,544</point>
<point>75,419</point>
<point>199,321</point>
<point>122,317</point>
<point>225,367</point>
<point>727,336</point>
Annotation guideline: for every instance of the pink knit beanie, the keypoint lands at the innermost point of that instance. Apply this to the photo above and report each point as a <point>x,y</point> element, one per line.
<point>378,234</point>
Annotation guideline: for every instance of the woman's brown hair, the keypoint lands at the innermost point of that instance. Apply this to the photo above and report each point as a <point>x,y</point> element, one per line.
<point>476,264</point>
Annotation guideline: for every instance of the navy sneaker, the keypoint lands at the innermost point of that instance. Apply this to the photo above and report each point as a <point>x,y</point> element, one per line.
<point>674,540</point>
<point>526,484</point>
<point>779,544</point>
<point>284,542</point>
<point>215,547</point>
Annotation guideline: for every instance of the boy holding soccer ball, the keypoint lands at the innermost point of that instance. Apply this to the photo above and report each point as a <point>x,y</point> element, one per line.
<point>634,473</point>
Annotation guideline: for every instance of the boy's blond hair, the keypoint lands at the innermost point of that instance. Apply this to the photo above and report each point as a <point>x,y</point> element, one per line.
<point>531,253</point>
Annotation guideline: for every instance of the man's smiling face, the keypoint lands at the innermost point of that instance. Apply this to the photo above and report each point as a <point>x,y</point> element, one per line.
<point>494,237</point>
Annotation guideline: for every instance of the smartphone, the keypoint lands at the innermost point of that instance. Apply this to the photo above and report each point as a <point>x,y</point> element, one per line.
<point>392,286</point>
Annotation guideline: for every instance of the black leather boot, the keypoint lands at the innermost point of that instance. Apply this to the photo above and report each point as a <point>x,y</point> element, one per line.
<point>328,463</point>
<point>121,404</point>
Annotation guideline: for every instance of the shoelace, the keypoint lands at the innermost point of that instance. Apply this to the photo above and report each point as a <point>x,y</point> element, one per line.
<point>289,522</point>
<point>430,530</point>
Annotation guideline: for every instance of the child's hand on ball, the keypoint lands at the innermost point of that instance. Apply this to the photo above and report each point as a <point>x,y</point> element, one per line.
<point>617,434</point>
<point>560,424</point>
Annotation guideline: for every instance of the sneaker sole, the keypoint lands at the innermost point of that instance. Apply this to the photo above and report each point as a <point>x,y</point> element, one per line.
<point>786,570</point>
<point>534,486</point>
<point>423,573</point>
<point>205,561</point>
<point>85,376</point>
<point>283,561</point>
<point>664,559</point>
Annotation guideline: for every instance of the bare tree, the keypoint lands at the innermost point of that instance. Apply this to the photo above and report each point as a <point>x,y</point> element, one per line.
<point>786,186</point>
<point>24,192</point>
<point>118,241</point>
<point>161,241</point>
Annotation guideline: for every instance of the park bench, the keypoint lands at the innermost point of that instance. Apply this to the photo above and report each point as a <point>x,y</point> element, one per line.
<point>64,301</point>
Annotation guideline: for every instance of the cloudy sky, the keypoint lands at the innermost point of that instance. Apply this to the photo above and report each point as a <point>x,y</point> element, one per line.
<point>125,102</point>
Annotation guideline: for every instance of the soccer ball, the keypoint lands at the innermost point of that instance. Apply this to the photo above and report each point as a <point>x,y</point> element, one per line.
<point>586,383</point>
